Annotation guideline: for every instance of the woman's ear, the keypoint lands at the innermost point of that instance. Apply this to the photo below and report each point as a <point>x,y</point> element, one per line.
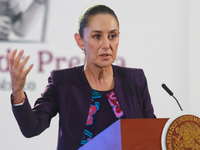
<point>79,41</point>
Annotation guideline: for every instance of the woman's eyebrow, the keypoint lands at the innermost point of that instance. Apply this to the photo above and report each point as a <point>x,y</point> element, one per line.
<point>98,31</point>
<point>115,30</point>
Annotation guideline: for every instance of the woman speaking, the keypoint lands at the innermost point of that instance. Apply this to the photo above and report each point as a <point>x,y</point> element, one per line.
<point>88,98</point>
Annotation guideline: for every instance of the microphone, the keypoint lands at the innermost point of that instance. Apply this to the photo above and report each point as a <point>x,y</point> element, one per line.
<point>171,94</point>
<point>130,87</point>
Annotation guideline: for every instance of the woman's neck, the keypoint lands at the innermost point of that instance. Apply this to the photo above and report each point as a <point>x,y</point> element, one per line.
<point>99,78</point>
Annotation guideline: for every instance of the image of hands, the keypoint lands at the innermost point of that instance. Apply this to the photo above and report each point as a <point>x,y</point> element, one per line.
<point>22,20</point>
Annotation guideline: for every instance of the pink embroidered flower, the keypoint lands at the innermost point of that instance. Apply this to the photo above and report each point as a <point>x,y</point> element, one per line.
<point>92,111</point>
<point>115,104</point>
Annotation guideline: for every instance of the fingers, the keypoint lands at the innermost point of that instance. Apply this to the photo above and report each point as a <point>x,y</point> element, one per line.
<point>11,59</point>
<point>23,63</point>
<point>8,56</point>
<point>17,72</point>
<point>5,19</point>
<point>15,64</point>
<point>27,70</point>
<point>5,24</point>
<point>18,59</point>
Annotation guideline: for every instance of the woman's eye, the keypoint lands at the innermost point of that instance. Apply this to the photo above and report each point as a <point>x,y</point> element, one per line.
<point>112,36</point>
<point>97,36</point>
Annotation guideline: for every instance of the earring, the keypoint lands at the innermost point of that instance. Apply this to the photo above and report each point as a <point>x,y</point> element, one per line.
<point>83,50</point>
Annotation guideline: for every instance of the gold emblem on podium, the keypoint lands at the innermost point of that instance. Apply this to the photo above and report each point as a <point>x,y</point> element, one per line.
<point>183,133</point>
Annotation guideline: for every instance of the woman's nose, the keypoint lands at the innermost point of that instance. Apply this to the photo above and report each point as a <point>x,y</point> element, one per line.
<point>105,43</point>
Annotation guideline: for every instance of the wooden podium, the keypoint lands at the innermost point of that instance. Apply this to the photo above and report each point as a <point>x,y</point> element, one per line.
<point>129,134</point>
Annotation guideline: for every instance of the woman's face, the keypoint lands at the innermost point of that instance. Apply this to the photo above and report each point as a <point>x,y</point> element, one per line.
<point>101,39</point>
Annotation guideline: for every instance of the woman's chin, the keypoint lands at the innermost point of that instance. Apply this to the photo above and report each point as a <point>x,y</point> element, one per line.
<point>104,64</point>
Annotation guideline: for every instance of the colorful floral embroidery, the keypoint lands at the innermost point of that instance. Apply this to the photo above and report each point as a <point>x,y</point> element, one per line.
<point>95,94</point>
<point>93,113</point>
<point>115,104</point>
<point>92,117</point>
<point>87,136</point>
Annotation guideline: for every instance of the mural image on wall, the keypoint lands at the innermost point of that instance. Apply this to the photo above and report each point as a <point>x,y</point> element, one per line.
<point>23,20</point>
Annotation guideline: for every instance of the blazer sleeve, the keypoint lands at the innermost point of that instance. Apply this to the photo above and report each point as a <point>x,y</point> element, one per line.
<point>34,121</point>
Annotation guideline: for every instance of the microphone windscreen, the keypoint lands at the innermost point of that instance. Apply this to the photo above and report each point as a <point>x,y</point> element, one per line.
<point>167,89</point>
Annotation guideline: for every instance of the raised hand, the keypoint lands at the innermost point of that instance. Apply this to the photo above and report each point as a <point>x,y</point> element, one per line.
<point>18,73</point>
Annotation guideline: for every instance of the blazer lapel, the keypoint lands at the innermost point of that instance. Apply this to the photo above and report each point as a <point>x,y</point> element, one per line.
<point>122,79</point>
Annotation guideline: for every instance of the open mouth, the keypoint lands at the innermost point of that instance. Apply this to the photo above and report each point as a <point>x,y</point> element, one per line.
<point>105,55</point>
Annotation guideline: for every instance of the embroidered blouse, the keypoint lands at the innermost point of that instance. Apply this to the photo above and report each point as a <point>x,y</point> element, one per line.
<point>104,110</point>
